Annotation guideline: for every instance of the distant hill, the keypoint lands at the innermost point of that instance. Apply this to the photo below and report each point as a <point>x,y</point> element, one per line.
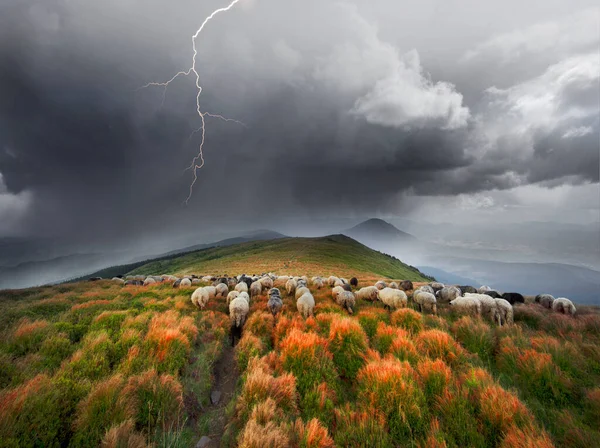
<point>334,254</point>
<point>582,285</point>
<point>377,229</point>
<point>258,235</point>
<point>448,277</point>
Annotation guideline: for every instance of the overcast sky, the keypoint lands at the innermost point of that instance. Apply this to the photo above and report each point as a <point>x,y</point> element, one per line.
<point>434,110</point>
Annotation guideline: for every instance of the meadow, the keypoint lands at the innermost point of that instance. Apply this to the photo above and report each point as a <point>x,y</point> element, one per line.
<point>100,364</point>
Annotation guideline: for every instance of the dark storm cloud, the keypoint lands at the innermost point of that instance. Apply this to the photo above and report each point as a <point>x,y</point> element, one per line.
<point>337,119</point>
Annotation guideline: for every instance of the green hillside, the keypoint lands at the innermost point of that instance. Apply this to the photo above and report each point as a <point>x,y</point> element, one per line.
<point>335,254</point>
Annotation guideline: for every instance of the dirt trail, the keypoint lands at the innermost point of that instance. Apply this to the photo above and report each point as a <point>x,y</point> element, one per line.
<point>226,376</point>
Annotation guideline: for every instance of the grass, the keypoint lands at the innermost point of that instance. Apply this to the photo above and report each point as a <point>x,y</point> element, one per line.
<point>312,256</point>
<point>95,363</point>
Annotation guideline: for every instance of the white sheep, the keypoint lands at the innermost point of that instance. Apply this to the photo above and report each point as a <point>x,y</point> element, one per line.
<point>195,281</point>
<point>336,291</point>
<point>563,305</point>
<point>466,305</point>
<point>380,285</point>
<point>369,293</point>
<point>317,282</point>
<point>545,300</point>
<point>149,281</point>
<point>306,305</point>
<point>488,305</point>
<point>222,290</point>
<point>425,288</point>
<point>347,301</point>
<point>232,295</point>
<point>241,287</point>
<point>331,280</point>
<point>185,283</point>
<point>245,296</point>
<point>339,282</point>
<point>290,286</point>
<point>301,291</point>
<point>118,280</point>
<point>393,298</point>
<point>436,286</point>
<point>206,278</point>
<point>212,291</point>
<point>200,297</point>
<point>255,289</point>
<point>483,289</point>
<point>505,311</point>
<point>281,280</point>
<point>238,311</point>
<point>266,282</point>
<point>426,301</point>
<point>447,294</point>
<point>393,285</point>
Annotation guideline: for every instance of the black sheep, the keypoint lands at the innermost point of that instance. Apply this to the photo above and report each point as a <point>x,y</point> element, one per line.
<point>467,289</point>
<point>354,282</point>
<point>406,285</point>
<point>513,297</point>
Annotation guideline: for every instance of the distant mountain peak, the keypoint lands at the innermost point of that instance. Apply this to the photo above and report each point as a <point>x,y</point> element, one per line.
<point>378,228</point>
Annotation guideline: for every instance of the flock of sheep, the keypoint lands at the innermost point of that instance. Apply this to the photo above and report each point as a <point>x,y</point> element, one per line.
<point>239,291</point>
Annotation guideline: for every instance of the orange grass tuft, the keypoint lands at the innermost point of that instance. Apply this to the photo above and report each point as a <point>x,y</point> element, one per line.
<point>502,409</point>
<point>312,434</point>
<point>439,344</point>
<point>525,438</point>
<point>348,343</point>
<point>408,319</point>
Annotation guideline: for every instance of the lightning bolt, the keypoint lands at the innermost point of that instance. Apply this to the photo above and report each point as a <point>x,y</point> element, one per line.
<point>200,156</point>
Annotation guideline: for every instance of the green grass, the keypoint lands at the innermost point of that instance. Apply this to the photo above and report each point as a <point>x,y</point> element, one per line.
<point>336,254</point>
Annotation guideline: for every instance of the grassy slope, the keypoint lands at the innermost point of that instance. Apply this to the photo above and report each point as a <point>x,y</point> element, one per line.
<point>336,254</point>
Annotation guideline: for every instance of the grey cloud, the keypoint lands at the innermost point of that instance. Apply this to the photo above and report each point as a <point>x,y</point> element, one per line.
<point>337,121</point>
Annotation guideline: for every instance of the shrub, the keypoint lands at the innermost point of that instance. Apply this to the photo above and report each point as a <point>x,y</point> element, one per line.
<point>500,409</point>
<point>261,325</point>
<point>408,319</point>
<point>28,336</point>
<point>154,400</point>
<point>593,405</point>
<point>348,343</point>
<point>284,326</point>
<point>435,437</point>
<point>307,357</point>
<point>95,359</point>
<point>123,435</point>
<point>100,410</point>
<point>319,402</point>
<point>270,435</point>
<point>438,344</point>
<point>475,335</point>
<point>74,331</point>
<point>54,350</point>
<point>404,349</point>
<point>370,319</point>
<point>516,437</point>
<point>433,376</point>
<point>312,434</point>
<point>248,347</point>
<point>110,321</point>
<point>39,412</point>
<point>542,378</point>
<point>260,385</point>
<point>363,429</point>
<point>384,337</point>
<point>459,421</point>
<point>388,385</point>
<point>168,341</point>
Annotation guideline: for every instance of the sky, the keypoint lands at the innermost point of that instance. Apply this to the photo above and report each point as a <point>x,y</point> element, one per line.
<point>438,110</point>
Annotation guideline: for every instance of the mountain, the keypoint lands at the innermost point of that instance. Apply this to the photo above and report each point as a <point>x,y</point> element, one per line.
<point>257,235</point>
<point>35,273</point>
<point>447,277</point>
<point>334,254</point>
<point>378,229</point>
<point>582,285</point>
